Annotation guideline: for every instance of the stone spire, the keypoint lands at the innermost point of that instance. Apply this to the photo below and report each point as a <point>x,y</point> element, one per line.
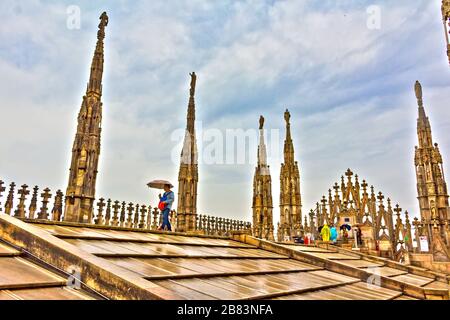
<point>290,198</point>
<point>262,192</point>
<point>80,193</point>
<point>188,174</point>
<point>431,185</point>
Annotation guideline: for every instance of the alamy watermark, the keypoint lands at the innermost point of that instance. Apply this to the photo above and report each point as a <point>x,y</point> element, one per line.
<point>374,281</point>
<point>73,21</point>
<point>74,280</point>
<point>374,17</point>
<point>225,147</point>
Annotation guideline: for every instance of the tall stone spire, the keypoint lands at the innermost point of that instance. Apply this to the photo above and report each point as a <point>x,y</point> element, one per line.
<point>431,185</point>
<point>290,198</point>
<point>80,193</point>
<point>262,192</point>
<point>188,174</point>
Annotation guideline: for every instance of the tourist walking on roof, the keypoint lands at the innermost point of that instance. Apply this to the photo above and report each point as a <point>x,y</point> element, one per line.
<point>325,232</point>
<point>333,234</point>
<point>359,236</point>
<point>165,205</point>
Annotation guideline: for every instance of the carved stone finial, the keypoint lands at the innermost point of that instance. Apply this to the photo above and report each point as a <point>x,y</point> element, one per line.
<point>407,221</point>
<point>33,204</point>
<point>143,211</point>
<point>398,210</point>
<point>23,192</point>
<point>141,224</point>
<point>46,195</point>
<point>115,219</point>
<point>10,199</point>
<point>123,214</point>
<point>349,174</point>
<point>108,212</point>
<point>101,205</point>
<point>130,211</point>
<point>136,220</point>
<point>58,206</point>
<point>149,217</point>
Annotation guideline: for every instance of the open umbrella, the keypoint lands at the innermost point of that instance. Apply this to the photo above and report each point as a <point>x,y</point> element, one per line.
<point>346,226</point>
<point>159,184</point>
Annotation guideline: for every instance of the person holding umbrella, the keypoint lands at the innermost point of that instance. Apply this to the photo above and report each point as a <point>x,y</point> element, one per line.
<point>345,228</point>
<point>165,201</point>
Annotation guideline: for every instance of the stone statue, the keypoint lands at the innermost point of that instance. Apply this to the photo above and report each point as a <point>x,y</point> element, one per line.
<point>261,123</point>
<point>104,20</point>
<point>287,116</point>
<point>193,83</point>
<point>418,89</point>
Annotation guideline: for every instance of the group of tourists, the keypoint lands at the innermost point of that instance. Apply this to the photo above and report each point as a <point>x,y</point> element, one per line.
<point>332,234</point>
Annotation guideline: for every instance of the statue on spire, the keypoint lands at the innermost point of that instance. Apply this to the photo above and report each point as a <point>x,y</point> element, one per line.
<point>261,123</point>
<point>287,116</point>
<point>193,83</point>
<point>104,19</point>
<point>418,89</point>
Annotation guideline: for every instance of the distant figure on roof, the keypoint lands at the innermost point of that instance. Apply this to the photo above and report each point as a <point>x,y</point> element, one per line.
<point>333,234</point>
<point>165,205</point>
<point>359,236</point>
<point>325,232</point>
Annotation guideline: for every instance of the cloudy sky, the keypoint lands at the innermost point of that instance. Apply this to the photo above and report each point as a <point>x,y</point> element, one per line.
<point>348,84</point>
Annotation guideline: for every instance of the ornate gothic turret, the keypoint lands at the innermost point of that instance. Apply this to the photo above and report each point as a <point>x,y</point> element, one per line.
<point>80,193</point>
<point>431,185</point>
<point>188,175</point>
<point>358,205</point>
<point>290,198</point>
<point>262,192</point>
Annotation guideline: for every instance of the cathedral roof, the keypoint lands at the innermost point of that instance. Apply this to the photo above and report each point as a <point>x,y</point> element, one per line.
<point>122,263</point>
<point>23,279</point>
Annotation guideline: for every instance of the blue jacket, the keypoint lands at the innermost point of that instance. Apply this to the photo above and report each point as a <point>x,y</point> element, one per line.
<point>168,198</point>
<point>334,234</point>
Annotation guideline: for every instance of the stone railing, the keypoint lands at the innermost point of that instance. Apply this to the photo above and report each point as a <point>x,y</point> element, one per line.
<point>120,214</point>
<point>220,226</point>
